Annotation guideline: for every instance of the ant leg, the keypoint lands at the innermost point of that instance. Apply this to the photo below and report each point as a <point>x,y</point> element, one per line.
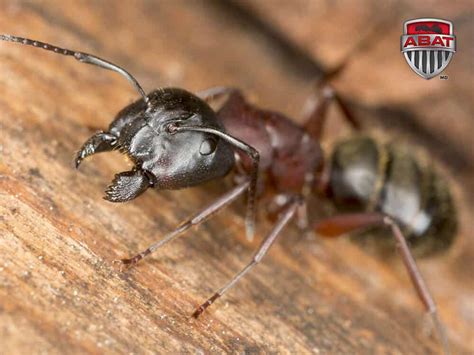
<point>418,281</point>
<point>287,214</point>
<point>338,225</point>
<point>99,142</point>
<point>317,106</point>
<point>302,217</point>
<point>201,216</point>
<point>317,103</point>
<point>348,114</point>
<point>346,223</point>
<point>316,111</point>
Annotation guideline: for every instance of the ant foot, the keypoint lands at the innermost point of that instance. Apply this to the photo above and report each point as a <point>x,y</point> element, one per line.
<point>200,310</point>
<point>126,264</point>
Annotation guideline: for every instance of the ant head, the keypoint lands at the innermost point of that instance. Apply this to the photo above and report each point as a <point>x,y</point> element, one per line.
<point>161,138</point>
<point>173,136</point>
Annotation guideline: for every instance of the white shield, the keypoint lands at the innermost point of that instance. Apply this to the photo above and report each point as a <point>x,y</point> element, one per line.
<point>428,60</point>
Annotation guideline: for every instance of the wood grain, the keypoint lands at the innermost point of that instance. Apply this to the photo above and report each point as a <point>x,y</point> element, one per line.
<point>59,292</point>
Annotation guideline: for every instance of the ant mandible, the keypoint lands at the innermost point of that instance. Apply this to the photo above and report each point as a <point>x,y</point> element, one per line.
<point>176,140</point>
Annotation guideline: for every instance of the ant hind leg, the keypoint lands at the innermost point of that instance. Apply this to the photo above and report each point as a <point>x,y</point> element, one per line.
<point>346,223</point>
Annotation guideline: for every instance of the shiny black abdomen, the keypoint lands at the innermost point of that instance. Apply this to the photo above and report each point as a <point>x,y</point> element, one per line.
<point>367,176</point>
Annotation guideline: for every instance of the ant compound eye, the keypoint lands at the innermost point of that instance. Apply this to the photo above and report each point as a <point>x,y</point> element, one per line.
<point>208,146</point>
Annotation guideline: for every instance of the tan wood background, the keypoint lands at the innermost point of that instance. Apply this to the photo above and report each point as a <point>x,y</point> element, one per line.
<point>59,292</point>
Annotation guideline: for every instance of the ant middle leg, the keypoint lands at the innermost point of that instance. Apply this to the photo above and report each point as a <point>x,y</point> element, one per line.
<point>280,202</point>
<point>285,217</point>
<point>210,210</point>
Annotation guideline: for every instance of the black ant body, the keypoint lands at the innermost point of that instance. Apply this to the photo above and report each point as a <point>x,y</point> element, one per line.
<point>176,140</point>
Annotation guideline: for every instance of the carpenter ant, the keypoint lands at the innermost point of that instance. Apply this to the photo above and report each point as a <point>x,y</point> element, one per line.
<point>176,140</point>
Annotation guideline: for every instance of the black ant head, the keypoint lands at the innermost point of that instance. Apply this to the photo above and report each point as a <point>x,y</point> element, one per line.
<point>172,136</point>
<point>160,139</point>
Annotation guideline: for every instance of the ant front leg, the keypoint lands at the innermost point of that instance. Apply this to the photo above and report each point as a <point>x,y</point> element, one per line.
<point>346,223</point>
<point>99,142</point>
<point>198,218</point>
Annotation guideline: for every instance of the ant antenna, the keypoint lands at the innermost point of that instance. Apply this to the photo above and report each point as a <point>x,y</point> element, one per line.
<point>253,154</point>
<point>81,57</point>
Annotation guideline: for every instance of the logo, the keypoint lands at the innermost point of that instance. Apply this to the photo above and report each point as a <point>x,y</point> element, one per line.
<point>428,45</point>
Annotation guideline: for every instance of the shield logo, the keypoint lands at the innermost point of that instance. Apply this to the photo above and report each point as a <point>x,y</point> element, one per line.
<point>428,45</point>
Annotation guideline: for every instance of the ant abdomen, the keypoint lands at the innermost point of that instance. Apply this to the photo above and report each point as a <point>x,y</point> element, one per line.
<point>368,176</point>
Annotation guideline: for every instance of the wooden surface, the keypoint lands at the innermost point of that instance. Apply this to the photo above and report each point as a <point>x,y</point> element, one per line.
<point>59,292</point>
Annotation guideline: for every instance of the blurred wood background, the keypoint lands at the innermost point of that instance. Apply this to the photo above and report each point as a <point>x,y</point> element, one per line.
<point>58,290</point>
